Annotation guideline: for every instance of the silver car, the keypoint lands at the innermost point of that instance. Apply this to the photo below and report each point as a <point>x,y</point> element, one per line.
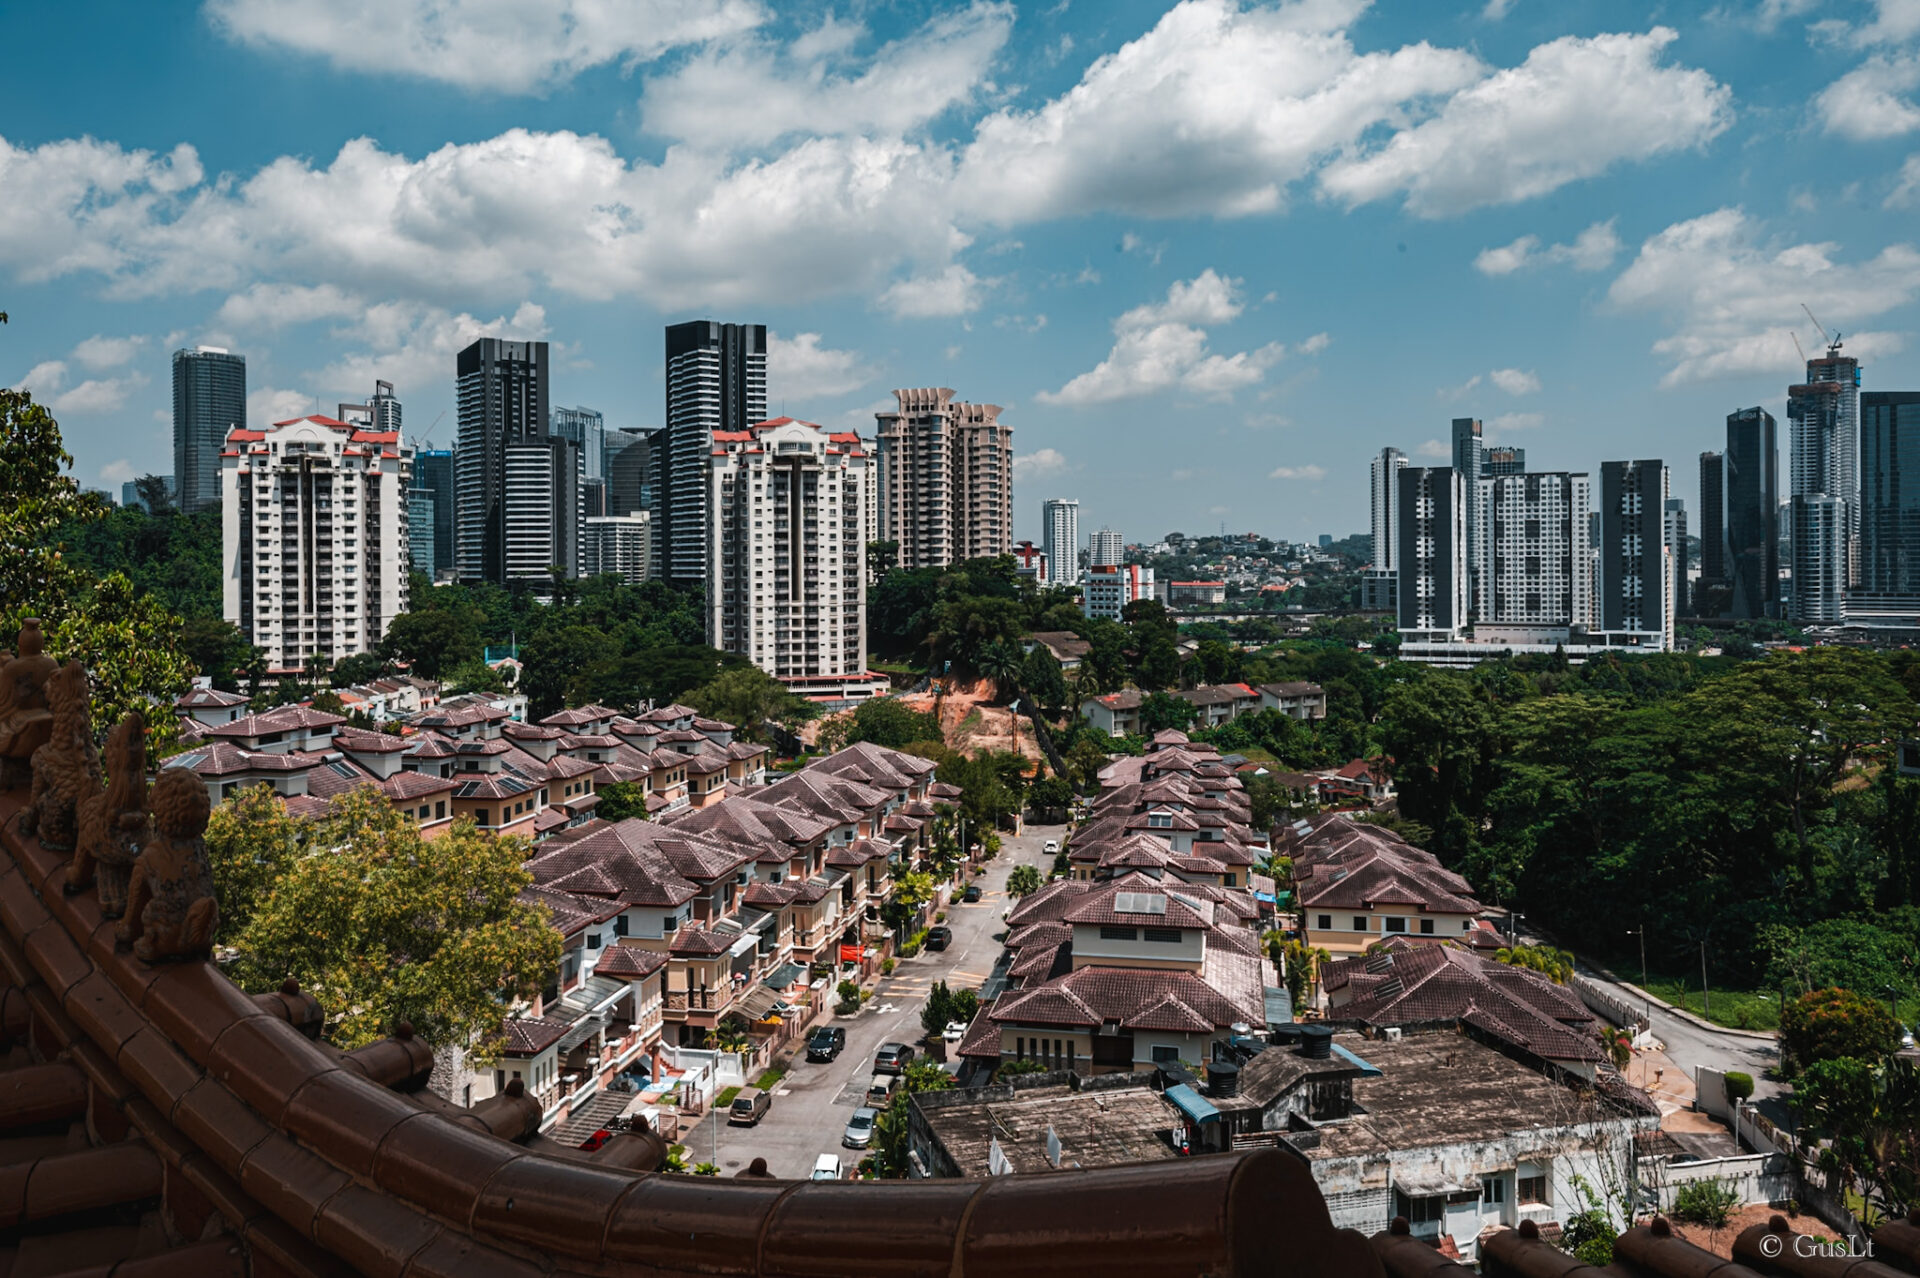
<point>859,1131</point>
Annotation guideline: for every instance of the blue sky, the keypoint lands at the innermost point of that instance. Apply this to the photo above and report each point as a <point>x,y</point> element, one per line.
<point>1210,256</point>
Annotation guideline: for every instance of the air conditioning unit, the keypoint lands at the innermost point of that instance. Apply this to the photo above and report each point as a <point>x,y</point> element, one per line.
<point>1392,1033</point>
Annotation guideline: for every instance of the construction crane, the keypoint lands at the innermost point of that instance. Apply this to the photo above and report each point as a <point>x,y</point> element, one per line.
<point>1797,349</point>
<point>1833,342</point>
<point>421,441</point>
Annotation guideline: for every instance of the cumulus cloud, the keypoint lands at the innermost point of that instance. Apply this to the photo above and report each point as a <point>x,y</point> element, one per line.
<point>1315,344</point>
<point>801,368</point>
<point>272,306</point>
<point>1515,381</point>
<point>1577,107</point>
<point>1507,422</point>
<point>953,291</point>
<point>1297,472</point>
<point>1906,190</point>
<point>118,472</point>
<point>1435,448</point>
<point>800,89</point>
<point>268,405</point>
<point>1592,250</point>
<point>482,45</point>
<point>1461,391</point>
<point>1874,100</point>
<point>1161,346</point>
<point>99,352</point>
<point>1039,464</point>
<point>410,344</point>
<point>51,382</point>
<point>1735,302</point>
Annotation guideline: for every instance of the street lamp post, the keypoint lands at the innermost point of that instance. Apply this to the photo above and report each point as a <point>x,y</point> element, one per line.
<point>1641,932</point>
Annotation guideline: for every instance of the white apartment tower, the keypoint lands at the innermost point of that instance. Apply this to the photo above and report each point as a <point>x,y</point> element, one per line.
<point>1678,593</point>
<point>621,545</point>
<point>1109,588</point>
<point>1536,556</point>
<point>1105,549</point>
<point>786,554</point>
<point>314,540</point>
<point>1060,538</point>
<point>1377,584</point>
<point>946,478</point>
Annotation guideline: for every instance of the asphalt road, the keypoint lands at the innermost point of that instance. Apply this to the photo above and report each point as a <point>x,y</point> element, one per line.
<point>812,1104</point>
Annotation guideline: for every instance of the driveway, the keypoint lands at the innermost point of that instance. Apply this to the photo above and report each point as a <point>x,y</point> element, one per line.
<point>812,1104</point>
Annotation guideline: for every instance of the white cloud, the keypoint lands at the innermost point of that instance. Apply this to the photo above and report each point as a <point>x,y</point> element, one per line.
<point>1735,302</point>
<point>99,352</point>
<point>1433,448</point>
<point>272,306</point>
<point>753,93</point>
<point>1039,464</point>
<point>954,291</point>
<point>409,344</point>
<point>1592,250</point>
<point>1297,472</point>
<point>800,368</point>
<point>1515,381</point>
<point>1514,421</point>
<point>48,381</point>
<point>268,405</point>
<point>1160,346</point>
<point>1573,110</point>
<point>1495,10</point>
<point>1461,391</point>
<point>1215,110</point>
<point>1871,101</point>
<point>481,45</point>
<point>1021,323</point>
<point>1906,191</point>
<point>118,472</point>
<point>1315,344</point>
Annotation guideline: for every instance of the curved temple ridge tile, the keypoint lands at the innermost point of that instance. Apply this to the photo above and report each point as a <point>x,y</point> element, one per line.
<point>171,911</point>
<point>66,770</point>
<point>823,1230</point>
<point>26,721</point>
<point>113,823</point>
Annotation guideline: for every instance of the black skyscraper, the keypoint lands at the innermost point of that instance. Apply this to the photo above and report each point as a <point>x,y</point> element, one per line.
<point>209,398</point>
<point>1889,500</point>
<point>1752,487</point>
<point>716,380</point>
<point>433,473</point>
<point>502,399</point>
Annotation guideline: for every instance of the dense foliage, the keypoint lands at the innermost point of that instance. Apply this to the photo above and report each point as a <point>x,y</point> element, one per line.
<point>1826,1025</point>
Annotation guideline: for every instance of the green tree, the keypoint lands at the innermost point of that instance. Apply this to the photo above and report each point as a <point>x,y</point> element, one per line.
<point>1041,676</point>
<point>1161,711</point>
<point>621,801</point>
<point>1001,662</point>
<point>752,700</point>
<point>252,841</point>
<point>37,496</point>
<point>890,722</point>
<point>1024,881</point>
<point>911,890</point>
<point>1555,965</point>
<point>1871,1116</point>
<point>1049,795</point>
<point>130,646</point>
<point>555,663</point>
<point>217,649</point>
<point>1825,1025</point>
<point>1445,742</point>
<point>381,926</point>
<point>433,641</point>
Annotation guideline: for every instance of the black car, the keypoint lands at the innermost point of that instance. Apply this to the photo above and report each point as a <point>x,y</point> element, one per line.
<point>939,938</point>
<point>972,893</point>
<point>825,1043</point>
<point>892,1058</point>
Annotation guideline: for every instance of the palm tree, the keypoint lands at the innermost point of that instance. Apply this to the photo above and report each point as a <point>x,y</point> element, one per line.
<point>727,1037</point>
<point>1555,965</point>
<point>1000,661</point>
<point>1023,881</point>
<point>1299,964</point>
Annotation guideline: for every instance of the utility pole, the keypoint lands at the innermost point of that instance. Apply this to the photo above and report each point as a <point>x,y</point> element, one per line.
<point>1706,997</point>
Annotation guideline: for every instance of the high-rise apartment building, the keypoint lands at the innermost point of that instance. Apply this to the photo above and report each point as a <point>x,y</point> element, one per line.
<point>421,514</point>
<point>1635,585</point>
<point>1536,560</point>
<point>620,545</point>
<point>1707,601</point>
<point>314,537</point>
<point>1889,506</point>
<point>1469,458</point>
<point>716,381</point>
<point>1378,583</point>
<point>1105,549</point>
<point>381,412</point>
<point>587,428</point>
<point>209,399</point>
<point>1060,538</point>
<point>946,478</point>
<point>787,554</point>
<point>519,513</point>
<point>1750,471</point>
<point>1431,560</point>
<point>433,475</point>
<point>1503,461</point>
<point>1107,589</point>
<point>1823,419</point>
<point>1677,555</point>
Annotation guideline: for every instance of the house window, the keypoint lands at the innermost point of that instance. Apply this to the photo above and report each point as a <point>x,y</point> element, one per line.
<point>620,925</point>
<point>1164,935</point>
<point>593,940</point>
<point>1361,923</point>
<point>1426,1210</point>
<point>1165,1054</point>
<point>1466,925</point>
<point>1396,924</point>
<point>1118,934</point>
<point>1426,927</point>
<point>1532,1191</point>
<point>1326,923</point>
<point>1493,1191</point>
<point>480,817</point>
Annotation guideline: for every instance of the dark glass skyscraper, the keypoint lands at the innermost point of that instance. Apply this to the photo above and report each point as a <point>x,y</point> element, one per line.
<point>209,398</point>
<point>433,474</point>
<point>716,380</point>
<point>1751,468</point>
<point>1889,500</point>
<point>516,485</point>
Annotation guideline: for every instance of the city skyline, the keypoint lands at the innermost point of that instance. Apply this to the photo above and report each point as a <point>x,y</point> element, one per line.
<point>1225,294</point>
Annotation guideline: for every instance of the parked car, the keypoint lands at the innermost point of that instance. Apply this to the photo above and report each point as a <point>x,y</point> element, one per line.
<point>825,1043</point>
<point>972,893</point>
<point>826,1167</point>
<point>860,1128</point>
<point>955,1031</point>
<point>749,1107</point>
<point>892,1058</point>
<point>939,938</point>
<point>1053,845</point>
<point>880,1089</point>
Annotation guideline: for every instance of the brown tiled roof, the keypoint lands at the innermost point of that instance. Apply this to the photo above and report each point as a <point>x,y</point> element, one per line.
<point>1347,864</point>
<point>702,941</point>
<point>629,962</point>
<point>223,758</point>
<point>1102,905</point>
<point>361,741</point>
<point>282,719</point>
<point>209,698</point>
<point>1227,990</point>
<point>532,1035</point>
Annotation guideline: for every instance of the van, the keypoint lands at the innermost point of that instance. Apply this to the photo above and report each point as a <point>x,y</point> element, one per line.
<point>881,1090</point>
<point>749,1107</point>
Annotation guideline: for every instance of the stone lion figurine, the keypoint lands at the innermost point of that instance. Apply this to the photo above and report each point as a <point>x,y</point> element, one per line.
<point>171,913</point>
<point>114,822</point>
<point>25,722</point>
<point>66,770</point>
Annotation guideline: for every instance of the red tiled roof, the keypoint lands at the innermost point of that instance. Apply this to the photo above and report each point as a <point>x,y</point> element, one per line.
<point>630,962</point>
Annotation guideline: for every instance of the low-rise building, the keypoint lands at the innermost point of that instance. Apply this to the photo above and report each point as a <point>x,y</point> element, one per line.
<point>1066,647</point>
<point>1296,700</point>
<point>1107,589</point>
<point>1360,882</point>
<point>1190,594</point>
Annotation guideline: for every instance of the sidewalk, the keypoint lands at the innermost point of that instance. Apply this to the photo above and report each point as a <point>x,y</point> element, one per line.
<point>1699,1022</point>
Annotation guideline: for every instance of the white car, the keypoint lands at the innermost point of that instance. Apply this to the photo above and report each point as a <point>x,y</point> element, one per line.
<point>955,1031</point>
<point>826,1167</point>
<point>1053,845</point>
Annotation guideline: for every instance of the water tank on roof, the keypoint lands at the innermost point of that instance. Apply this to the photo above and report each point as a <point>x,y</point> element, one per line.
<point>1285,1035</point>
<point>1316,1042</point>
<point>1223,1079</point>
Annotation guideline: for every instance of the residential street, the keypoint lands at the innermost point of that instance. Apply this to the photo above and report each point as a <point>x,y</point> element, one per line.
<point>812,1104</point>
